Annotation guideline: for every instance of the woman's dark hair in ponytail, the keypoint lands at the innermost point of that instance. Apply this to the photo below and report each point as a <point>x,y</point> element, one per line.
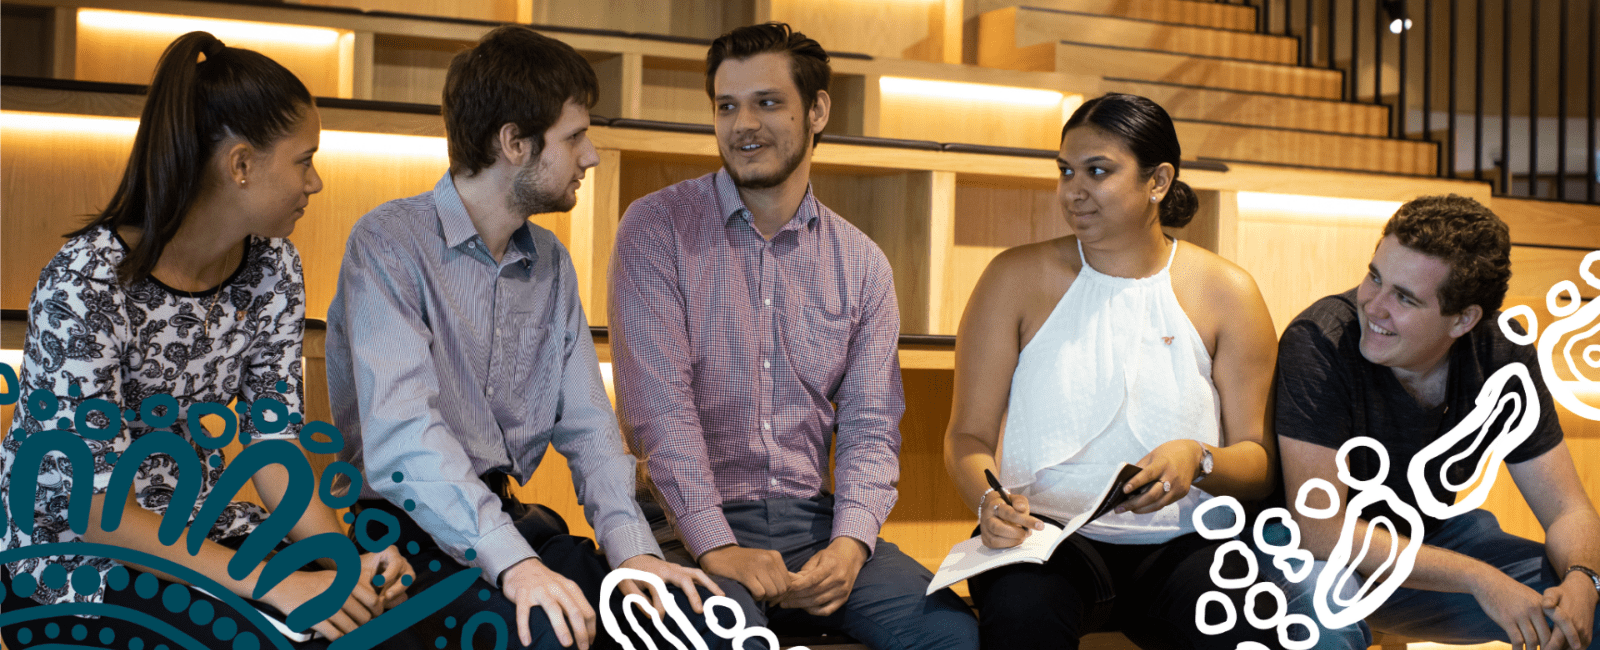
<point>1148,132</point>
<point>193,104</point>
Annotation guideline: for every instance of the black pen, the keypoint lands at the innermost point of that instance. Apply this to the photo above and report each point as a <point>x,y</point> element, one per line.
<point>994,484</point>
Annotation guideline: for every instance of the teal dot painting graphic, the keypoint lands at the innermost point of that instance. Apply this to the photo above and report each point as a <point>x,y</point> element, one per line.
<point>67,591</point>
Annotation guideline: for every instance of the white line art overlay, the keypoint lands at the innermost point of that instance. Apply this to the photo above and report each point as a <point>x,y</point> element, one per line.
<point>1517,413</point>
<point>632,604</point>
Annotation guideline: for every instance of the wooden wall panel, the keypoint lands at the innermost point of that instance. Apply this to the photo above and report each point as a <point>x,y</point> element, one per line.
<point>410,69</point>
<point>1549,223</point>
<point>929,517</point>
<point>642,175</point>
<point>497,10</point>
<point>1296,260</point>
<point>972,119</point>
<point>892,29</point>
<point>893,210</point>
<point>129,55</point>
<point>991,215</point>
<point>1535,270</point>
<point>53,180</point>
<point>696,18</point>
<point>674,91</point>
<point>1035,26</point>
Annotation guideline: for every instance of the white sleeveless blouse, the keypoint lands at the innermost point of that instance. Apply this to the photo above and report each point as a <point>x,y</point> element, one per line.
<point>1116,370</point>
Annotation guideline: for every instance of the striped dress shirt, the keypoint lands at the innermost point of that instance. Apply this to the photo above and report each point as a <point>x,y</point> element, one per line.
<point>444,364</point>
<point>731,352</point>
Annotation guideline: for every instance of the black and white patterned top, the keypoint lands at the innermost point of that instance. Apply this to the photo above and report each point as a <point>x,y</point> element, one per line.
<point>124,344</point>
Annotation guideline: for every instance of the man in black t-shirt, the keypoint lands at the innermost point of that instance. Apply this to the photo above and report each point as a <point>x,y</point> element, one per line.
<point>1401,360</point>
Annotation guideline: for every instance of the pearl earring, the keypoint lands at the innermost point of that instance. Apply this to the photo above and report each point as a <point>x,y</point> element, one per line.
<point>1153,199</point>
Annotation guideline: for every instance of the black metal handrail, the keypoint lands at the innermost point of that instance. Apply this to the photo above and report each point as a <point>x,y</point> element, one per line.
<point>1365,24</point>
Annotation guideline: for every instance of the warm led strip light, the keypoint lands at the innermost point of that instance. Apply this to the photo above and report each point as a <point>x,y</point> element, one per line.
<point>969,91</point>
<point>1317,206</point>
<point>70,123</point>
<point>385,144</point>
<point>341,141</point>
<point>221,28</point>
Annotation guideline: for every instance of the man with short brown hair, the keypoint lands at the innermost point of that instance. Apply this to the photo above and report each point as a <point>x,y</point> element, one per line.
<point>1401,361</point>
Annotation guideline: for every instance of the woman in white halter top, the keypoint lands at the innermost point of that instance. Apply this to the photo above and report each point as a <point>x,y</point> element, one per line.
<point>1118,344</point>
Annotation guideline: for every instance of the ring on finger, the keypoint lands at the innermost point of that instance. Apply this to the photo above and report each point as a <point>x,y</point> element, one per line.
<point>1166,486</point>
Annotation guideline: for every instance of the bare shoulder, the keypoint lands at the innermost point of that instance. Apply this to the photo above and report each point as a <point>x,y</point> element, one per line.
<point>1024,266</point>
<point>1215,278</point>
<point>1015,284</point>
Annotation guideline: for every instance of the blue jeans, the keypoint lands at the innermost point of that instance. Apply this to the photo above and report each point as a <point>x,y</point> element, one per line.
<point>1455,618</point>
<point>1301,596</point>
<point>574,558</point>
<point>886,610</point>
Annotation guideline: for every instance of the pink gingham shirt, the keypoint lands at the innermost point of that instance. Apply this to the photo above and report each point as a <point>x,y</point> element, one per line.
<point>731,351</point>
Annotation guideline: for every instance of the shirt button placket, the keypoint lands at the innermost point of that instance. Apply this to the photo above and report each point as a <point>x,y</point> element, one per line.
<point>769,325</point>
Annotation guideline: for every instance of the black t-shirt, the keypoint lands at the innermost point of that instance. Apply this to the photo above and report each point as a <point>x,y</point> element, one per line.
<point>1328,393</point>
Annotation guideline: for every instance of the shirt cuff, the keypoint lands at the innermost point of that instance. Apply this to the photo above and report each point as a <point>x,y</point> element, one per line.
<point>705,530</point>
<point>499,550</point>
<point>623,542</point>
<point>856,523</point>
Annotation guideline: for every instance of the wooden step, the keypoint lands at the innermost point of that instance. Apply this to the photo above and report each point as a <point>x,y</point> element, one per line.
<point>997,49</point>
<point>1258,109</point>
<point>1031,26</point>
<point>1231,142</point>
<point>1187,12</point>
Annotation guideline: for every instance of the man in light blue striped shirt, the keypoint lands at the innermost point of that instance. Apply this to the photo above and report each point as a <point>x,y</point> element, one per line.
<point>458,352</point>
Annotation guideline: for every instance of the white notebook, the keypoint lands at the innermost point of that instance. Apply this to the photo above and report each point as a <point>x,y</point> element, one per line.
<point>971,557</point>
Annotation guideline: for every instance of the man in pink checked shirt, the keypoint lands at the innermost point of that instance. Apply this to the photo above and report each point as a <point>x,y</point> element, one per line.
<point>742,310</point>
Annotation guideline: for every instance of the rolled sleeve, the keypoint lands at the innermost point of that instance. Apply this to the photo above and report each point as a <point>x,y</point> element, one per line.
<point>871,402</point>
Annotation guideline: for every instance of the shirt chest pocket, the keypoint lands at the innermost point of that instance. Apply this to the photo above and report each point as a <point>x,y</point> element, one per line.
<point>818,346</point>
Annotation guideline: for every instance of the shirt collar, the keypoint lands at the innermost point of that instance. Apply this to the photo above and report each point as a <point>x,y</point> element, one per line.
<point>733,207</point>
<point>458,228</point>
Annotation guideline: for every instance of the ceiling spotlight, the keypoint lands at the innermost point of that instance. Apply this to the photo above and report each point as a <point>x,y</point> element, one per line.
<point>1399,18</point>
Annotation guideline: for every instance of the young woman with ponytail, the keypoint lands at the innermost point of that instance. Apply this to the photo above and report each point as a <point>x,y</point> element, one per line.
<point>1117,344</point>
<point>184,286</point>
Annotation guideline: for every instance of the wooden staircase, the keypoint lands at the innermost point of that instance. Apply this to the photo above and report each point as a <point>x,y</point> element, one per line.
<point>1236,95</point>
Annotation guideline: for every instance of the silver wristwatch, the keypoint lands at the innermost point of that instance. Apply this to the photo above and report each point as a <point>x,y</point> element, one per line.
<point>1206,464</point>
<point>1594,577</point>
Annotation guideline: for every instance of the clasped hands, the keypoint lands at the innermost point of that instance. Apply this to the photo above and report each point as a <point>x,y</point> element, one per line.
<point>365,602</point>
<point>1522,612</point>
<point>820,588</point>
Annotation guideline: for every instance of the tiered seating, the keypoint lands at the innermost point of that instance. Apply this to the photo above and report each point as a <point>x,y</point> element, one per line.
<point>1235,94</point>
<point>942,184</point>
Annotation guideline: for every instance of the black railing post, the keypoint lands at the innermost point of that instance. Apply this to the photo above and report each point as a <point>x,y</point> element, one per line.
<point>1455,23</point>
<point>1427,79</point>
<point>1477,140</point>
<point>1533,100</point>
<point>1505,98</point>
<point>1333,48</point>
<point>1561,106</point>
<point>1377,62</point>
<point>1355,48</point>
<point>1403,107</point>
<point>1305,46</point>
<point>1592,180</point>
